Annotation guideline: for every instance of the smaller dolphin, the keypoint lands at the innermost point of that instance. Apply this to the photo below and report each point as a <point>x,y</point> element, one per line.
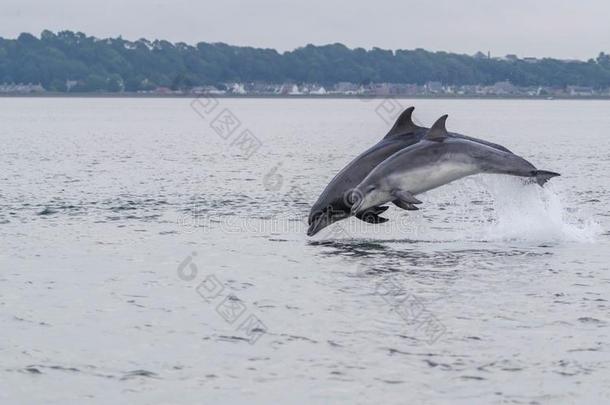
<point>436,160</point>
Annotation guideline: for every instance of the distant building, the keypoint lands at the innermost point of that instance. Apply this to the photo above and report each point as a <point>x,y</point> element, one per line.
<point>70,84</point>
<point>379,89</point>
<point>503,88</point>
<point>467,90</point>
<point>295,90</point>
<point>163,90</point>
<point>434,87</point>
<point>347,88</point>
<point>207,90</point>
<point>262,88</point>
<point>237,88</point>
<point>290,89</point>
<point>408,89</point>
<point>314,89</point>
<point>21,88</point>
<point>580,91</point>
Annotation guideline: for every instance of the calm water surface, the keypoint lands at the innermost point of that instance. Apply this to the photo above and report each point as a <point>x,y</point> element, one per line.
<point>144,258</point>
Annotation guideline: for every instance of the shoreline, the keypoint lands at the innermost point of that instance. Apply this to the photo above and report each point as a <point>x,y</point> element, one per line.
<point>297,96</point>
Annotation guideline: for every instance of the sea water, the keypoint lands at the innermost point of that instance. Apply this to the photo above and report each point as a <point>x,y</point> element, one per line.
<point>154,251</point>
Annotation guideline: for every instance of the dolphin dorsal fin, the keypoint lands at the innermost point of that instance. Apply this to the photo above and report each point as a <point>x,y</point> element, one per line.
<point>403,125</point>
<point>438,131</point>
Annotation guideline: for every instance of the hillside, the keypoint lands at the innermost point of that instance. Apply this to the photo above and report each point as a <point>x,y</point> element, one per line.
<point>75,61</point>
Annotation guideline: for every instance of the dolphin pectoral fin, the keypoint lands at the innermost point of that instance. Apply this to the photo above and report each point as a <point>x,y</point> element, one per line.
<point>405,197</point>
<point>379,210</point>
<point>371,218</point>
<point>542,176</point>
<point>405,205</point>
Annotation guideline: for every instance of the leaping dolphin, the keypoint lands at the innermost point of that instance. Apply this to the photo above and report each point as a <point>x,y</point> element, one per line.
<point>437,160</point>
<point>334,203</point>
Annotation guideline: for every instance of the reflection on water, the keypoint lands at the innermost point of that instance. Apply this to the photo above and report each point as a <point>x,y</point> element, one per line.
<point>413,252</point>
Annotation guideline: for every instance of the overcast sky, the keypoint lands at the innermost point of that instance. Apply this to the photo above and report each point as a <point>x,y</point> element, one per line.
<point>556,28</point>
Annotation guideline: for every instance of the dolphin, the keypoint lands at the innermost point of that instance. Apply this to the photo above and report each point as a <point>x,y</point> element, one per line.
<point>334,203</point>
<point>436,160</point>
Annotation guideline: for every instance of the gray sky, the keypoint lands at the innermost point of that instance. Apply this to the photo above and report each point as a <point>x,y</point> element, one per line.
<point>557,28</point>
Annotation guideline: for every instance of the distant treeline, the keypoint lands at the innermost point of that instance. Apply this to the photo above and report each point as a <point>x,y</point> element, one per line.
<point>84,63</point>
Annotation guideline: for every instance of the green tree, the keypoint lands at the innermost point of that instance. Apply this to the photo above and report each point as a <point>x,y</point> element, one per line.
<point>116,64</point>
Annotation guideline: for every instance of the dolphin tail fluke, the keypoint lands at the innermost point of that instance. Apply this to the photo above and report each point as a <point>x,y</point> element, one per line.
<point>542,176</point>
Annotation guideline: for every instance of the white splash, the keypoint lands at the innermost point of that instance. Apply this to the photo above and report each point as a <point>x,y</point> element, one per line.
<point>528,212</point>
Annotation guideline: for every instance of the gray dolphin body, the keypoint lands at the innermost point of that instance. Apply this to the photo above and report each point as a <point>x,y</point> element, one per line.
<point>437,160</point>
<point>334,203</point>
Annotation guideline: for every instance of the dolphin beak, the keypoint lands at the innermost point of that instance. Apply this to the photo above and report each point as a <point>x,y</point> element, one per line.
<point>313,229</point>
<point>327,218</point>
<point>318,224</point>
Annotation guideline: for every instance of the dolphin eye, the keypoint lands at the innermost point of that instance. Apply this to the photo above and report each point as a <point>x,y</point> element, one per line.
<point>370,188</point>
